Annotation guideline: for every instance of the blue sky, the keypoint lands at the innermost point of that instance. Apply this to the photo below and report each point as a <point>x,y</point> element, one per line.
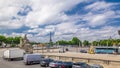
<point>86,19</point>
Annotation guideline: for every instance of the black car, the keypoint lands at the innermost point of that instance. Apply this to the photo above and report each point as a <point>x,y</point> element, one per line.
<point>81,65</point>
<point>67,64</point>
<point>83,51</point>
<point>45,62</point>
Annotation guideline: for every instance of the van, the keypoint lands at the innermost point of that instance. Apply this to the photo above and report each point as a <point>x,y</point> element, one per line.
<point>32,58</point>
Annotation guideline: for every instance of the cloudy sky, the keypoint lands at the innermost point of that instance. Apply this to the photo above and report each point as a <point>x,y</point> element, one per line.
<point>85,19</point>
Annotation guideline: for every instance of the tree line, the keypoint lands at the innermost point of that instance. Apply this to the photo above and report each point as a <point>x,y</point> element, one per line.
<point>9,40</point>
<point>74,41</point>
<point>77,42</point>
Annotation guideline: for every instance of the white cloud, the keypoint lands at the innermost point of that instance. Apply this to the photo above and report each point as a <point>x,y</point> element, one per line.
<point>98,34</point>
<point>100,13</point>
<point>50,14</point>
<point>8,10</point>
<point>94,20</point>
<point>11,24</point>
<point>35,30</point>
<point>65,28</point>
<point>14,34</point>
<point>100,5</point>
<point>47,12</point>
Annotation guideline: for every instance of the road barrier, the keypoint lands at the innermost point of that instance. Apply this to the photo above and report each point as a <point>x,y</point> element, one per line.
<point>77,59</point>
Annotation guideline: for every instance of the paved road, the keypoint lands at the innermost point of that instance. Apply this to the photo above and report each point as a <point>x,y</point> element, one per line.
<point>15,64</point>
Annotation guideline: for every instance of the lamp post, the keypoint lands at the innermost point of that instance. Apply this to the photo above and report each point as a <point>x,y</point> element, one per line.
<point>37,48</point>
<point>0,42</point>
<point>119,33</point>
<point>98,42</point>
<point>12,43</point>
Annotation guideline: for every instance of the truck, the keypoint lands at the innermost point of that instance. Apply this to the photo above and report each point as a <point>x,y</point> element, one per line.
<point>12,54</point>
<point>32,58</point>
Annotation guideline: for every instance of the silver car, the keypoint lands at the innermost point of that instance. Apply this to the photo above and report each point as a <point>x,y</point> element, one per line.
<point>56,64</point>
<point>80,65</point>
<point>96,66</point>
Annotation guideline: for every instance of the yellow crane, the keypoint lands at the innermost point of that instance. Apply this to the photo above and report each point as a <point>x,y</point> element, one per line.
<point>91,50</point>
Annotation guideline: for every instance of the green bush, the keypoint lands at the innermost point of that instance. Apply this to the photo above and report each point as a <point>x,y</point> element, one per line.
<point>13,45</point>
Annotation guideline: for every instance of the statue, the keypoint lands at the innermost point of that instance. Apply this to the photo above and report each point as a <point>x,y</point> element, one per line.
<point>24,44</point>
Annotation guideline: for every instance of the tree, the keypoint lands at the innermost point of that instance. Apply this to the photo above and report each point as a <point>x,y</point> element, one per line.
<point>9,40</point>
<point>109,42</point>
<point>2,39</point>
<point>16,40</point>
<point>76,41</point>
<point>95,43</point>
<point>70,43</point>
<point>86,43</point>
<point>62,42</point>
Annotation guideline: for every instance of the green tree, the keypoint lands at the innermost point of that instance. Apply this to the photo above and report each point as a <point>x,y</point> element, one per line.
<point>9,40</point>
<point>86,43</point>
<point>62,42</point>
<point>103,42</point>
<point>2,39</point>
<point>95,43</point>
<point>16,40</point>
<point>109,42</point>
<point>70,43</point>
<point>76,41</point>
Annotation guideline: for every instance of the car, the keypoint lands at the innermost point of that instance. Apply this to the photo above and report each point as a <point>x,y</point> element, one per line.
<point>83,51</point>
<point>96,66</point>
<point>56,64</point>
<point>46,62</point>
<point>80,65</point>
<point>67,64</point>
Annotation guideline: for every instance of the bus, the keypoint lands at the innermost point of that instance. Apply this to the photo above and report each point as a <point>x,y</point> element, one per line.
<point>107,50</point>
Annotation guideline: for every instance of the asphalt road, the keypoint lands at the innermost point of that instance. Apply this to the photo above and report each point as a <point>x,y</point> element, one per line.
<point>15,64</point>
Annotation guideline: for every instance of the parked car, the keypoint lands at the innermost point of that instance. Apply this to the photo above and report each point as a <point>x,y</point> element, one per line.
<point>67,65</point>
<point>46,62</point>
<point>80,65</point>
<point>83,51</point>
<point>96,66</point>
<point>67,49</point>
<point>32,58</point>
<point>56,64</point>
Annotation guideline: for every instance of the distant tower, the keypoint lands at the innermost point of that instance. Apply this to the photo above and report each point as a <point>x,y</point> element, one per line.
<point>50,39</point>
<point>118,32</point>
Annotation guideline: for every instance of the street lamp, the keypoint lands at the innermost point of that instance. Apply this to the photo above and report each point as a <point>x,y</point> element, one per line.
<point>98,42</point>
<point>12,43</point>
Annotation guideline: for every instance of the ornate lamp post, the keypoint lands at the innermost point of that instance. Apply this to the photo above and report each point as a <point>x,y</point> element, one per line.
<point>119,35</point>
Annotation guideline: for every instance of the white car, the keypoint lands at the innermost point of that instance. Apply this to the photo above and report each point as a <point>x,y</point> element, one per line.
<point>81,65</point>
